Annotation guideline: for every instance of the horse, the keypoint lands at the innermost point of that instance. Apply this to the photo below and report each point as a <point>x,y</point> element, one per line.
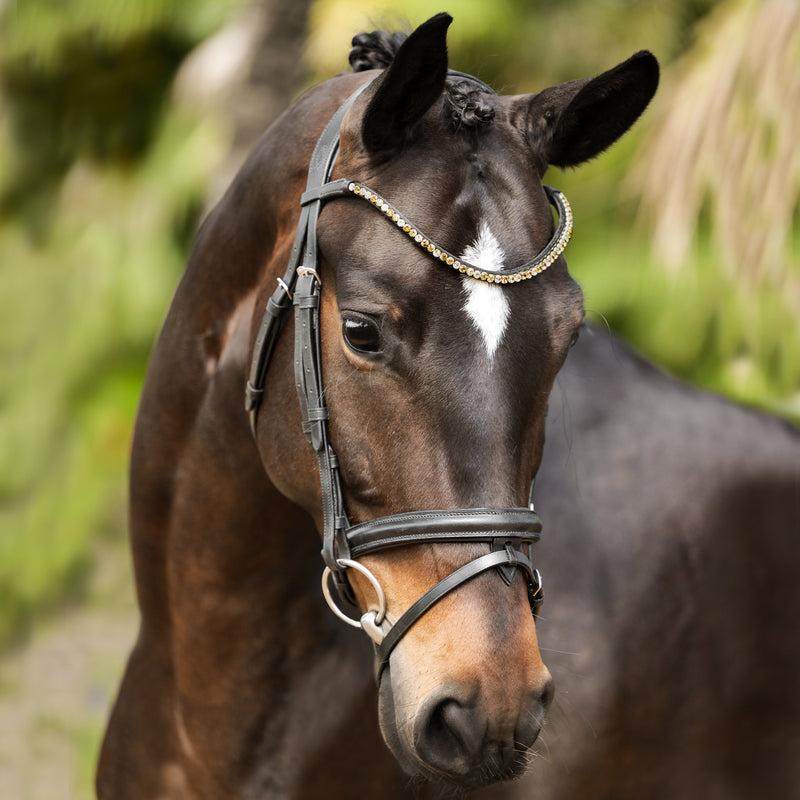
<point>386,395</point>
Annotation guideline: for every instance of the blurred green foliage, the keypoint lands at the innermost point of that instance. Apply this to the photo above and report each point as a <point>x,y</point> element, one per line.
<point>80,311</point>
<point>102,180</point>
<point>704,323</point>
<point>87,80</point>
<point>516,45</point>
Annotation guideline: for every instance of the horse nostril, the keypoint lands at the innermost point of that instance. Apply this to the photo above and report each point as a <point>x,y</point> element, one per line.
<point>532,715</point>
<point>456,736</point>
<point>547,693</point>
<point>448,735</point>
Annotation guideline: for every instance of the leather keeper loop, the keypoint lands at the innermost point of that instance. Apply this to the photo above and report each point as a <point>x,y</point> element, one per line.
<point>306,300</point>
<point>331,189</point>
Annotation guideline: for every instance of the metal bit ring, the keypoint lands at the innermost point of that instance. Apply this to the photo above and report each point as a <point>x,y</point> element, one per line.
<point>326,590</point>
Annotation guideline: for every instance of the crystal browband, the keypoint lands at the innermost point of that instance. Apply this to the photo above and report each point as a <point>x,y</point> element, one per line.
<point>532,268</point>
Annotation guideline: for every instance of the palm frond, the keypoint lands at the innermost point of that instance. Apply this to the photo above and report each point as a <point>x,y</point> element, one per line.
<point>724,144</point>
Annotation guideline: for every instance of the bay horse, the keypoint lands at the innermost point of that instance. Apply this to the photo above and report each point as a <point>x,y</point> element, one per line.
<point>432,312</point>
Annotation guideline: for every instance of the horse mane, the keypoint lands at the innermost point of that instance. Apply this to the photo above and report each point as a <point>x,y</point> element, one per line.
<point>466,105</point>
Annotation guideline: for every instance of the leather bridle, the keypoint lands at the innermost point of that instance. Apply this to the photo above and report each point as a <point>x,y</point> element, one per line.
<point>506,530</point>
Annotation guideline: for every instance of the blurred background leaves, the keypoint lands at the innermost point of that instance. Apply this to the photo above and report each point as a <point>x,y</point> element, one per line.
<point>120,121</point>
<point>103,180</point>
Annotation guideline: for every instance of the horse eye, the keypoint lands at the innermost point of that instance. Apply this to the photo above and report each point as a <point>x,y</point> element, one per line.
<point>362,335</point>
<point>575,336</point>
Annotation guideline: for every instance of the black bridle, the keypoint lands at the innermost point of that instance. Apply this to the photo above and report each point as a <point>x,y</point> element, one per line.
<point>505,530</point>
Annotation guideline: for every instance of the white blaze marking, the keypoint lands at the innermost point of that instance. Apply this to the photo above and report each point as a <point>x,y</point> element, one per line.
<point>486,303</point>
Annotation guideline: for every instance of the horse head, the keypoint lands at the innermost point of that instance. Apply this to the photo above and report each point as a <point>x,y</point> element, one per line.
<point>437,353</point>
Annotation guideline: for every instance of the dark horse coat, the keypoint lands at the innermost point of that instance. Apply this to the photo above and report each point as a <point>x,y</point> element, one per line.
<point>674,519</point>
<point>669,552</point>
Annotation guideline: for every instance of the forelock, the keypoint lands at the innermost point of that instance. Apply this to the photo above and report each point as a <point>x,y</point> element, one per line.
<point>466,104</point>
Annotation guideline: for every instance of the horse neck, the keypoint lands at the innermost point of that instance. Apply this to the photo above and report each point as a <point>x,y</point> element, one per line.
<point>196,376</point>
<point>235,250</point>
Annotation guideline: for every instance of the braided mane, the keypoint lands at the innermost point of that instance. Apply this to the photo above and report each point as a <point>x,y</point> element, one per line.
<point>465,104</point>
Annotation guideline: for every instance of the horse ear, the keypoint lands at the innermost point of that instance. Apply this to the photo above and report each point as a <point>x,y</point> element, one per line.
<point>410,86</point>
<point>575,121</point>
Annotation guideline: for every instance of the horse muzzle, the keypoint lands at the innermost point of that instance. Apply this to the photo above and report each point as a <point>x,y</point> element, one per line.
<point>464,696</point>
<point>453,736</point>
